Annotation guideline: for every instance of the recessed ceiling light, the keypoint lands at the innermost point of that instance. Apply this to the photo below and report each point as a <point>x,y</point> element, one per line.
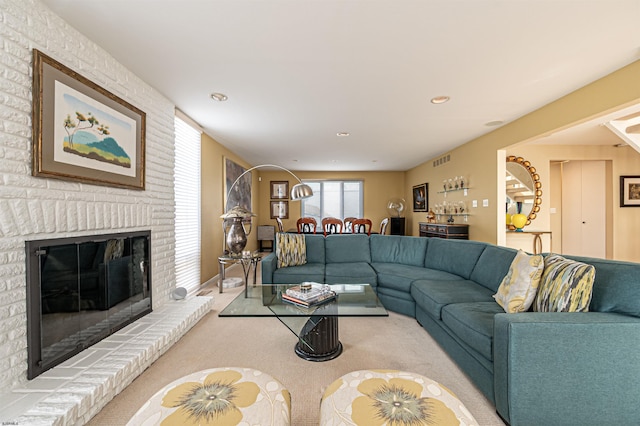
<point>220,97</point>
<point>343,134</point>
<point>494,123</point>
<point>440,100</point>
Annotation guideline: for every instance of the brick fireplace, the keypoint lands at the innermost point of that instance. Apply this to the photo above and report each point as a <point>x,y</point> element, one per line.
<point>35,208</point>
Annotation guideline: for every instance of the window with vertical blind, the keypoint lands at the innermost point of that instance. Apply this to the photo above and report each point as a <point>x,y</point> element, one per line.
<point>187,199</point>
<point>334,198</point>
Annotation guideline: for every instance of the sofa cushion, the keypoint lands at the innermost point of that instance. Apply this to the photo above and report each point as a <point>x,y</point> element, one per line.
<point>493,264</point>
<point>520,286</point>
<point>455,256</point>
<point>400,277</point>
<point>291,250</point>
<point>297,274</point>
<point>565,286</point>
<point>315,248</point>
<point>347,248</point>
<point>398,249</point>
<point>616,287</point>
<point>433,295</point>
<point>350,273</point>
<point>394,293</point>
<point>473,324</point>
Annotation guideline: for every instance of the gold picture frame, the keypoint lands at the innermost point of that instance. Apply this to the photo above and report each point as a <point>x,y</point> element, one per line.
<point>279,189</point>
<point>82,132</point>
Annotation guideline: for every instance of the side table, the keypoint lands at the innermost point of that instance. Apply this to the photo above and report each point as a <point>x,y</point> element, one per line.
<point>247,262</point>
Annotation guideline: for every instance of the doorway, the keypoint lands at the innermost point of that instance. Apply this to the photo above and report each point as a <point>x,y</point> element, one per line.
<point>584,207</point>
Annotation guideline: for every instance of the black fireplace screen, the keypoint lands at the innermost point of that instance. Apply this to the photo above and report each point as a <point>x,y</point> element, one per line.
<point>82,289</point>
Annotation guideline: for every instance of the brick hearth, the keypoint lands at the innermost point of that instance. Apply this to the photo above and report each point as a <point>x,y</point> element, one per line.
<point>76,390</point>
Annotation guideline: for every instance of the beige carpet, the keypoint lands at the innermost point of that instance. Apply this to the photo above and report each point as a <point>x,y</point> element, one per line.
<point>397,342</point>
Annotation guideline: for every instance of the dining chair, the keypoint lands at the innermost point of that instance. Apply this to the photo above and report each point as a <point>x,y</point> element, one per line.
<point>306,225</point>
<point>348,228</point>
<point>383,225</point>
<point>362,226</point>
<point>280,225</point>
<point>331,225</point>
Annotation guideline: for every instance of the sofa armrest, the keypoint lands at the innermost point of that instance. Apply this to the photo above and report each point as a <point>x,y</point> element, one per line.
<point>567,368</point>
<point>269,264</point>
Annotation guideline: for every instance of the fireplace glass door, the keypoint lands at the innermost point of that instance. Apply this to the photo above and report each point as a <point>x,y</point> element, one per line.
<point>81,290</point>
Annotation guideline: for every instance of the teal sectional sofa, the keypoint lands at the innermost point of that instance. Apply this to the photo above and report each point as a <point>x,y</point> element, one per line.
<point>537,368</point>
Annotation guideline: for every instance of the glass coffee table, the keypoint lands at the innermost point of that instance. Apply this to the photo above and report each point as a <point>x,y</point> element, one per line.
<point>316,327</point>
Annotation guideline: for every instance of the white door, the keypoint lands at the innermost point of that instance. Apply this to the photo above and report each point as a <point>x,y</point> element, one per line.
<point>584,208</point>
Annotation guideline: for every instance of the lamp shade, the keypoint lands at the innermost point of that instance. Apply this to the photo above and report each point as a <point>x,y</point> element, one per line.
<point>301,191</point>
<point>238,211</point>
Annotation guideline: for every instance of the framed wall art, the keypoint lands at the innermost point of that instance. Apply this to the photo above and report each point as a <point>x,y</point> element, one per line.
<point>280,209</point>
<point>421,197</point>
<point>82,132</point>
<point>241,193</point>
<point>279,189</point>
<point>629,191</point>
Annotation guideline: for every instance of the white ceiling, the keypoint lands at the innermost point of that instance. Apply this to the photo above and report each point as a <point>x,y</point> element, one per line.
<point>298,71</point>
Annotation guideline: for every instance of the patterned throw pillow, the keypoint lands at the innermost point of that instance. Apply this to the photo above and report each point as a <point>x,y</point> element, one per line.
<point>291,250</point>
<point>566,285</point>
<point>519,287</point>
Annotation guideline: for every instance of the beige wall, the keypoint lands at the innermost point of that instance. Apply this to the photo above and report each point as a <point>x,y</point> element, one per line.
<point>212,199</point>
<point>479,159</point>
<point>622,243</point>
<point>471,161</point>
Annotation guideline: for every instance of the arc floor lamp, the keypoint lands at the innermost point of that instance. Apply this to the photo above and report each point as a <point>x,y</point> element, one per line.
<point>233,223</point>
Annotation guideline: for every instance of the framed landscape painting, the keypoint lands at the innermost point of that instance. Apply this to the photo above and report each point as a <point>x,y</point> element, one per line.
<point>82,132</point>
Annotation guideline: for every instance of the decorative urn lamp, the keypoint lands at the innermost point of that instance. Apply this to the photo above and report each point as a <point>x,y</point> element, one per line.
<point>233,225</point>
<point>519,221</point>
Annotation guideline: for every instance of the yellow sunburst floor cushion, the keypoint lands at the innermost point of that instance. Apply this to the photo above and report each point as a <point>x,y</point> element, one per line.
<point>391,397</point>
<point>218,396</point>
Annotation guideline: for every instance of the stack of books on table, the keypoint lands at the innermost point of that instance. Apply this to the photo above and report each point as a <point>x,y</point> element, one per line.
<point>308,294</point>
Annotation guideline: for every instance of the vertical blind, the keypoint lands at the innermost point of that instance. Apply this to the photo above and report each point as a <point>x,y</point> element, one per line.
<point>187,199</point>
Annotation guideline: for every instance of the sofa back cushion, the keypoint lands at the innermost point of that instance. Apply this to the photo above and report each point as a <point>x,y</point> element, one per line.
<point>347,248</point>
<point>616,287</point>
<point>455,256</point>
<point>398,249</point>
<point>315,248</point>
<point>492,266</point>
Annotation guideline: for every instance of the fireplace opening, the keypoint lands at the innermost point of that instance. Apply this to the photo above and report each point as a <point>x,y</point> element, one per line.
<point>81,290</point>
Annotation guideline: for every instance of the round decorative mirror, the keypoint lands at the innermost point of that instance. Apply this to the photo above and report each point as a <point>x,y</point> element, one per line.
<point>524,190</point>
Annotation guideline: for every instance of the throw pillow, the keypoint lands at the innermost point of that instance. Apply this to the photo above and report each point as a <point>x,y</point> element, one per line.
<point>519,287</point>
<point>566,285</point>
<point>291,250</point>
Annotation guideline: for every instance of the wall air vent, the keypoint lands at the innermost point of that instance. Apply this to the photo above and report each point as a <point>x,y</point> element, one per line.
<point>440,161</point>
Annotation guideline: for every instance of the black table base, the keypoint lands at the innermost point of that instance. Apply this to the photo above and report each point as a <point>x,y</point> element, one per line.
<point>318,339</point>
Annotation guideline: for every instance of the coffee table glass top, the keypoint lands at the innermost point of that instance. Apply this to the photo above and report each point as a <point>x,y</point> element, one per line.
<point>264,300</point>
